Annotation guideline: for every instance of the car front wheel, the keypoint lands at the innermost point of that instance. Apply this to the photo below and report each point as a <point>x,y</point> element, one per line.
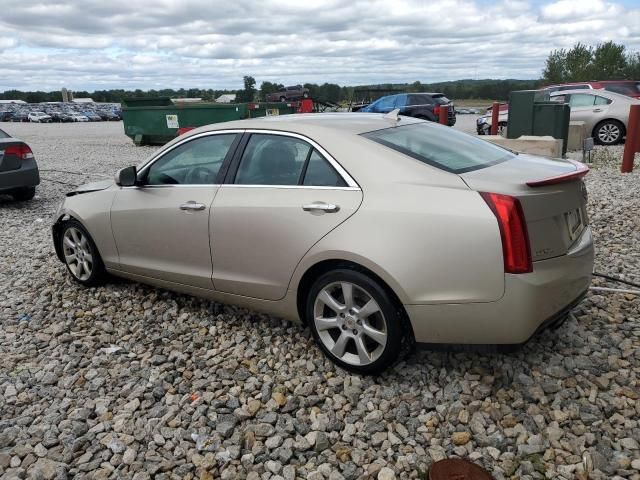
<point>354,321</point>
<point>81,255</point>
<point>609,132</point>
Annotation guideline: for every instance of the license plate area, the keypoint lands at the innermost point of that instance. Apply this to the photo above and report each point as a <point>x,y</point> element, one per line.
<point>574,223</point>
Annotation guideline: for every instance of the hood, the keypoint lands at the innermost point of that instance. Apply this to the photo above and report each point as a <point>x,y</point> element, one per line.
<point>91,187</point>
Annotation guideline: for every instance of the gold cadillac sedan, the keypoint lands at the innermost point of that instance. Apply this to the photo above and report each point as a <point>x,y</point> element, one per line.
<point>373,230</point>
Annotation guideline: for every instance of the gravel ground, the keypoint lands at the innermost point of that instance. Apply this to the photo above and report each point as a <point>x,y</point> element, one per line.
<point>129,381</point>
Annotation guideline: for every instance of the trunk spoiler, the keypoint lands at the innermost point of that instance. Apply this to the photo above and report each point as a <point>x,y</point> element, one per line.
<point>580,171</point>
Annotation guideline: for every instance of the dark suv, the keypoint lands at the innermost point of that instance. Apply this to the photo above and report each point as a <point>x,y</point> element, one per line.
<point>419,105</point>
<point>286,94</point>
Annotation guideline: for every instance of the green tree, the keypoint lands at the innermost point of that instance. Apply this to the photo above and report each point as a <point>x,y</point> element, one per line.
<point>609,61</point>
<point>579,63</point>
<point>249,92</point>
<point>555,67</point>
<point>632,71</point>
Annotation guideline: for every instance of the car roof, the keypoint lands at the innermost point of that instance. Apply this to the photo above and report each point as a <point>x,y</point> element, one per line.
<point>340,122</point>
<point>596,91</point>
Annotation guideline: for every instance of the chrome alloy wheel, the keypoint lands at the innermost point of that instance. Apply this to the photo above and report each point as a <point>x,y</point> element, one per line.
<point>609,133</point>
<point>77,253</point>
<point>350,323</point>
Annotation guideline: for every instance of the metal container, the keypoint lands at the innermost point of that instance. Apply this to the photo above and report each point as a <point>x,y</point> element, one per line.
<point>155,121</point>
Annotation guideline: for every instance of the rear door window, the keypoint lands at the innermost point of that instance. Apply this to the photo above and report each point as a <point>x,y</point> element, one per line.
<point>401,101</point>
<point>319,173</point>
<point>420,100</point>
<point>385,104</point>
<point>602,101</point>
<point>4,134</point>
<point>444,148</point>
<point>581,100</point>
<point>272,160</point>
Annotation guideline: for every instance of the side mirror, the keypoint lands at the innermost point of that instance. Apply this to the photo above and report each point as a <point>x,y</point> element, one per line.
<point>127,177</point>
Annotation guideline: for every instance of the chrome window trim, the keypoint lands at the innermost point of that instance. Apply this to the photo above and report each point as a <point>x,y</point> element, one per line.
<point>351,183</point>
<point>162,153</point>
<point>307,187</point>
<point>332,161</point>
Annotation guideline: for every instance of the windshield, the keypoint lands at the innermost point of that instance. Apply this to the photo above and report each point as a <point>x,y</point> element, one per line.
<point>624,88</point>
<point>441,147</point>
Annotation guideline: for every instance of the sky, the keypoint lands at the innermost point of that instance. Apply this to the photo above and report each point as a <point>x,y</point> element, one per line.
<point>98,44</point>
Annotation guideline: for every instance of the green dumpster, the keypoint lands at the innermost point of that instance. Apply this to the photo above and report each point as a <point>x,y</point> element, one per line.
<point>155,121</point>
<point>532,113</point>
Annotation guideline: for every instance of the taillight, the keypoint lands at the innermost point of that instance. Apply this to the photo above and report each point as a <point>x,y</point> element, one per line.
<point>436,110</point>
<point>22,151</point>
<point>513,232</point>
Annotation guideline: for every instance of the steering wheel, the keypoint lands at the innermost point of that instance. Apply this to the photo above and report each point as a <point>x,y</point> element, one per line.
<point>198,175</point>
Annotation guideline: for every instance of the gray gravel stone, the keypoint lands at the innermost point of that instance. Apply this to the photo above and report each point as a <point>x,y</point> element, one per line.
<point>130,381</point>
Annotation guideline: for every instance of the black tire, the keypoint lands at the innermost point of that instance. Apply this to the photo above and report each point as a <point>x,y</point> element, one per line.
<point>602,133</point>
<point>23,194</point>
<point>98,274</point>
<point>389,313</point>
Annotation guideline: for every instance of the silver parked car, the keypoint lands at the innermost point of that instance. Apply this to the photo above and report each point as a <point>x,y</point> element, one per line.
<point>606,114</point>
<point>374,230</point>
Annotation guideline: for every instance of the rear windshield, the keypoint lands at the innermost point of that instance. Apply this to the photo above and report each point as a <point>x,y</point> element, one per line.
<point>624,88</point>
<point>441,147</point>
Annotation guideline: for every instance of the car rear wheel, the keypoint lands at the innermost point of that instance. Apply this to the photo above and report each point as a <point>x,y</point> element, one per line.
<point>81,255</point>
<point>609,132</point>
<point>354,321</point>
<point>23,194</point>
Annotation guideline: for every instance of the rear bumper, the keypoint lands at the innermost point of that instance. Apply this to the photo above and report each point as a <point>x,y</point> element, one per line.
<point>530,303</point>
<point>25,176</point>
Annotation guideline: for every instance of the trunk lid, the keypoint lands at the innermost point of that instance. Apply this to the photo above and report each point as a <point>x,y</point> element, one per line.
<point>555,212</point>
<point>8,161</point>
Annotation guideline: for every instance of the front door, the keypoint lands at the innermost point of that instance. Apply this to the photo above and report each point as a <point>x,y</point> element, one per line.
<point>161,227</point>
<point>284,196</point>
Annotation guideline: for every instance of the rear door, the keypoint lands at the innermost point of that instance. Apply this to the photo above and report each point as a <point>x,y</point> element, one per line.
<point>589,108</point>
<point>283,194</point>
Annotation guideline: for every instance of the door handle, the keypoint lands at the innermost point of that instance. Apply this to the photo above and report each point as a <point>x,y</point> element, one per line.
<point>192,206</point>
<point>597,110</point>
<point>321,207</point>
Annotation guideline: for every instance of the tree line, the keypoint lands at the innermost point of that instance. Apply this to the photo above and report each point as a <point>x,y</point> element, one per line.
<point>330,92</point>
<point>605,61</point>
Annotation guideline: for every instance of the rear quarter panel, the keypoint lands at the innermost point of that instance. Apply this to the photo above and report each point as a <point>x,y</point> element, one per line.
<point>430,244</point>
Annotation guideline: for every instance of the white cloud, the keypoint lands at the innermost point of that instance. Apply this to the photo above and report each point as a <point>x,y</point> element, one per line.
<point>197,43</point>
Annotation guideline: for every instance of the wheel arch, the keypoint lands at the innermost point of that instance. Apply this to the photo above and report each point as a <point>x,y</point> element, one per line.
<point>324,266</point>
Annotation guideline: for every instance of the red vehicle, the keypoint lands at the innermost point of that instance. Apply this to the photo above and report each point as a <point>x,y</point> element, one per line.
<point>630,88</point>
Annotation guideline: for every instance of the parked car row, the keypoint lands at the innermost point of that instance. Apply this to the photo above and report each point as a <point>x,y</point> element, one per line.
<point>59,112</point>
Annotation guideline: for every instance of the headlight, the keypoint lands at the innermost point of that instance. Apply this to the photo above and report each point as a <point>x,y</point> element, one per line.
<point>481,121</point>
